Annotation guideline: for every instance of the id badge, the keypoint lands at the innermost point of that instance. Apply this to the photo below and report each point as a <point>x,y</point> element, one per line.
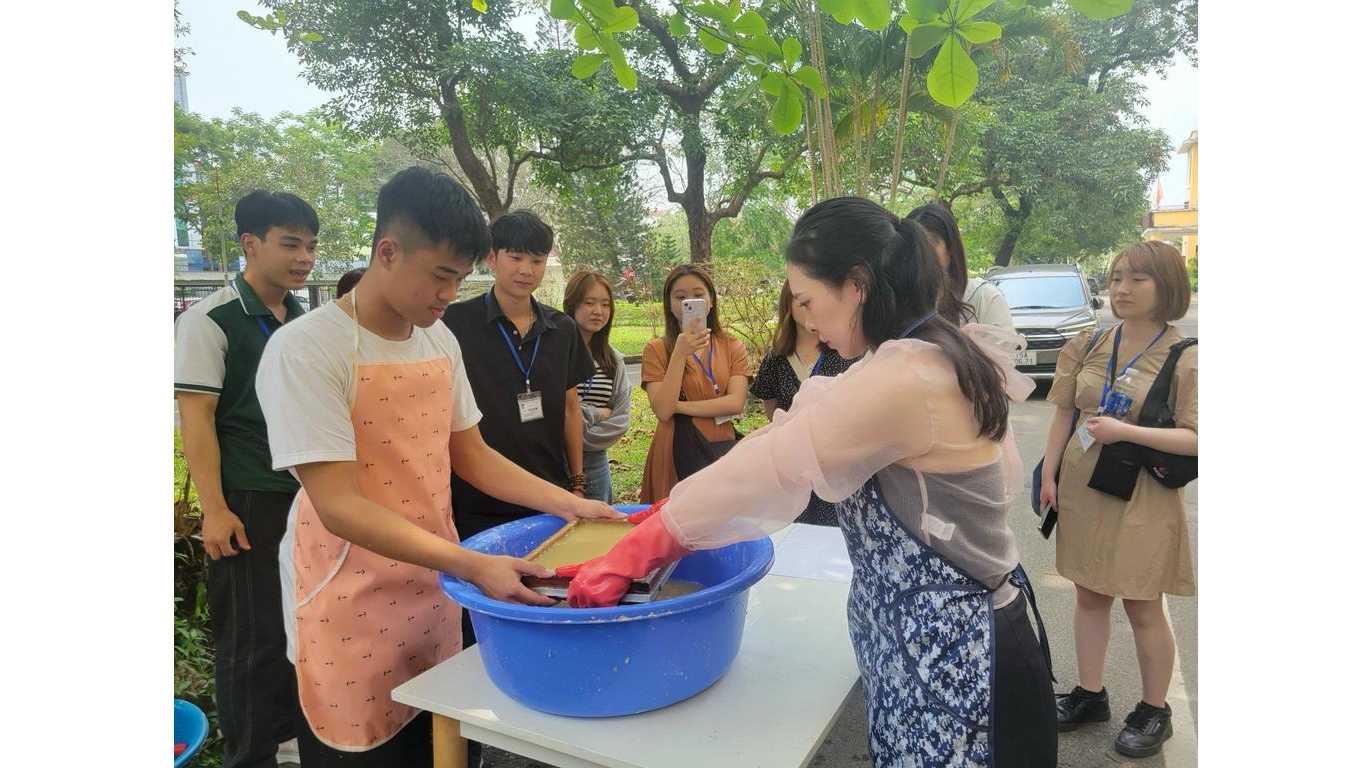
<point>1084,437</point>
<point>530,406</point>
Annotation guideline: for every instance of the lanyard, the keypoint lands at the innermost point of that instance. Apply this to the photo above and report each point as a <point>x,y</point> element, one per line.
<point>709,367</point>
<point>266,331</point>
<point>814,369</point>
<point>909,329</point>
<point>1110,377</point>
<point>519,361</point>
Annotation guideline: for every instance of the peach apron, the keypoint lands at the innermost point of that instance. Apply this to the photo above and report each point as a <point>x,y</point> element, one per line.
<point>366,623</point>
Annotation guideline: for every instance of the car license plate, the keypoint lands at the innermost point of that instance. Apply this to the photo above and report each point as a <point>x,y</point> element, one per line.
<point>1026,357</point>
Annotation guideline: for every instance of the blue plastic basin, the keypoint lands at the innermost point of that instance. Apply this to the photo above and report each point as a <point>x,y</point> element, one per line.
<point>608,662</point>
<point>189,727</point>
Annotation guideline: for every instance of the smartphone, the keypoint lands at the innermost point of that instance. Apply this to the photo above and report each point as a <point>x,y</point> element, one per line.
<point>693,314</point>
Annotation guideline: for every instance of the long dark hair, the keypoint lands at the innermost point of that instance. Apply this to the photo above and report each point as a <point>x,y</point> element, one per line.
<point>577,287</point>
<point>939,222</point>
<point>852,238</point>
<point>784,339</point>
<point>672,325</point>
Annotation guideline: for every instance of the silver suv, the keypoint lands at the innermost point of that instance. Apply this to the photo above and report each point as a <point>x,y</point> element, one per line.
<point>1050,304</point>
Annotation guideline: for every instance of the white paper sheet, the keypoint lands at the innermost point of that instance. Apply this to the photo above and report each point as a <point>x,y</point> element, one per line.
<point>813,552</point>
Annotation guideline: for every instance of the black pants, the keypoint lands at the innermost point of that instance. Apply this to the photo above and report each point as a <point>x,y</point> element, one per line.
<point>412,747</point>
<point>1024,709</point>
<point>254,682</point>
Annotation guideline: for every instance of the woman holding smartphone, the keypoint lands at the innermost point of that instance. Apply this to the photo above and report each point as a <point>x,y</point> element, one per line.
<point>696,377</point>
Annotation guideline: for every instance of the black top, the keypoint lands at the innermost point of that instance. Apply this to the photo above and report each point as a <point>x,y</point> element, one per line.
<point>539,446</point>
<point>776,379</point>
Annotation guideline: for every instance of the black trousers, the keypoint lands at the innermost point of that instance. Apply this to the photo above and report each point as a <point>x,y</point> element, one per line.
<point>412,747</point>
<point>1024,708</point>
<point>254,682</point>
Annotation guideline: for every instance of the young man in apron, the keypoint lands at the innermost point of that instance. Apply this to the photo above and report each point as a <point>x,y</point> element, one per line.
<point>367,402</point>
<point>219,342</point>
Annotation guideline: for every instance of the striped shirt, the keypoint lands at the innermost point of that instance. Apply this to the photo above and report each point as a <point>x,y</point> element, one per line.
<point>597,390</point>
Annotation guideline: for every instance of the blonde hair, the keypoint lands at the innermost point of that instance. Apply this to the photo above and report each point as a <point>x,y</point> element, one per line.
<point>1165,265</point>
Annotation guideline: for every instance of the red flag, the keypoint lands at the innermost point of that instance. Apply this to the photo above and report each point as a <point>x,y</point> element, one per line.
<point>1157,196</point>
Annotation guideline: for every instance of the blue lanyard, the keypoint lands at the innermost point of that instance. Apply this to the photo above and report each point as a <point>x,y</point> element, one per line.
<point>709,368</point>
<point>909,329</point>
<point>814,369</point>
<point>266,331</point>
<point>519,361</point>
<point>1110,377</point>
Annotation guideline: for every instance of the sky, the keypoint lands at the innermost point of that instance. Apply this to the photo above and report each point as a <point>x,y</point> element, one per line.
<point>235,65</point>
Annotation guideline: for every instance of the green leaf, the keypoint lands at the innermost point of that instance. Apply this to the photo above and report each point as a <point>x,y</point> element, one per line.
<point>953,77</point>
<point>751,23</point>
<point>925,37</point>
<point>809,77</point>
<point>622,20</point>
<point>843,11</point>
<point>585,37</point>
<point>311,37</point>
<point>1015,5</point>
<point>711,42</point>
<point>625,74</point>
<point>978,32</point>
<point>908,23</point>
<point>562,10</point>
<point>716,11</point>
<point>479,6</point>
<point>790,52</point>
<point>925,11</point>
<point>874,14</point>
<point>773,84</point>
<point>261,22</point>
<point>1100,10</point>
<point>587,64</point>
<point>759,70</point>
<point>677,25</point>
<point>788,110</point>
<point>602,10</point>
<point>762,46</point>
<point>964,10</point>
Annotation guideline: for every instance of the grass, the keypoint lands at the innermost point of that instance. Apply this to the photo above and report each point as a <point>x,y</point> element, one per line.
<point>630,339</point>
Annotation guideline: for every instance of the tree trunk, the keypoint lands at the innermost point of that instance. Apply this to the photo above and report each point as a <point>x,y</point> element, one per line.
<point>698,224</point>
<point>904,114</point>
<point>484,185</point>
<point>1016,218</point>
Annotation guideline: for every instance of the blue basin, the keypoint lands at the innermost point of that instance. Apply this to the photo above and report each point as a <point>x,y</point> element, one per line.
<point>609,662</point>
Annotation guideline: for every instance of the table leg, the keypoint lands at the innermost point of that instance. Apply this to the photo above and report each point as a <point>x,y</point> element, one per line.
<point>450,749</point>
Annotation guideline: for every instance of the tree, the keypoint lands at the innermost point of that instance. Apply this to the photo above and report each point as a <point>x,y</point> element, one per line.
<point>600,220</point>
<point>218,161</point>
<point>403,68</point>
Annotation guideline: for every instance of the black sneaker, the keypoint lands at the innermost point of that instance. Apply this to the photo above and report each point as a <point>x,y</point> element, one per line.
<point>1082,706</point>
<point>1145,729</point>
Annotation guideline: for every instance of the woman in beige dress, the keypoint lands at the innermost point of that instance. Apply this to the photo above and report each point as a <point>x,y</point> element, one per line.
<point>1137,549</point>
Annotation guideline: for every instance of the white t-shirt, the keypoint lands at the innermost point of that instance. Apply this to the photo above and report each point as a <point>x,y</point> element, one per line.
<point>988,304</point>
<point>305,383</point>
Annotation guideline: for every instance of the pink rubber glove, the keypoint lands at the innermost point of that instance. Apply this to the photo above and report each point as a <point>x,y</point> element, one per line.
<point>604,580</point>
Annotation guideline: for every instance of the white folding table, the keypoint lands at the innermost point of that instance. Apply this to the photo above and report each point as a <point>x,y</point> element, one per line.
<point>772,709</point>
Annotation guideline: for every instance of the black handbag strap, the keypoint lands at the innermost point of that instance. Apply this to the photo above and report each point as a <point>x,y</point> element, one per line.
<point>1157,411</point>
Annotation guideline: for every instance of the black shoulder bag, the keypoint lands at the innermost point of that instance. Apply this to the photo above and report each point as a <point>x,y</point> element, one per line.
<point>1171,469</point>
<point>1117,467</point>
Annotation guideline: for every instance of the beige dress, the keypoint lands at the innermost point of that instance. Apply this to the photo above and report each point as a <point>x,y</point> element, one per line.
<point>1136,549</point>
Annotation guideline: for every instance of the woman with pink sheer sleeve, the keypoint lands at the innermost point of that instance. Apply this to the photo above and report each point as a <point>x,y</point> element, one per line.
<point>913,445</point>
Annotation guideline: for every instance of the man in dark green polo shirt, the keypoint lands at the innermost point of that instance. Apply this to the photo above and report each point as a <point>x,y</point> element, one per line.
<point>219,341</point>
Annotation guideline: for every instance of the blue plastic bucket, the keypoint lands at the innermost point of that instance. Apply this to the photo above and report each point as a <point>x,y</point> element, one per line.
<point>189,727</point>
<point>608,662</point>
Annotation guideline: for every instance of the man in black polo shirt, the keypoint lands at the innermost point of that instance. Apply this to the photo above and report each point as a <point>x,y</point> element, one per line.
<point>524,361</point>
<point>219,341</point>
